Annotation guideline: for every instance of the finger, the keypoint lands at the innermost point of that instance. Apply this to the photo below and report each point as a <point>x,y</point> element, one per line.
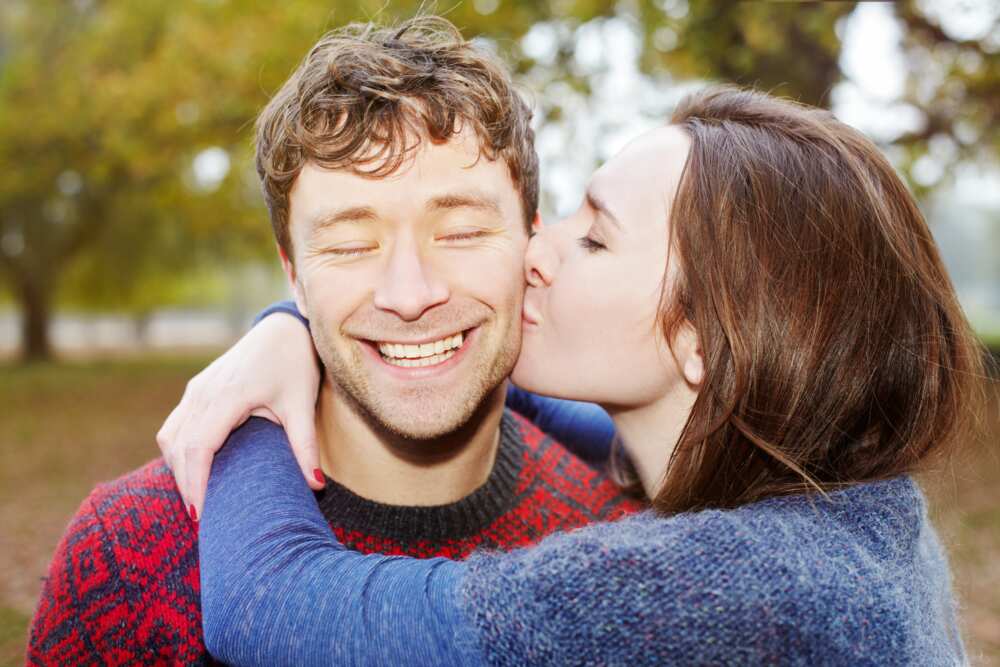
<point>180,477</point>
<point>200,436</point>
<point>197,465</point>
<point>300,426</point>
<point>167,435</point>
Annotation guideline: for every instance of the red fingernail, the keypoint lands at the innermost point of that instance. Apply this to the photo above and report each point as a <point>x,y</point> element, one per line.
<point>318,474</point>
<point>193,512</point>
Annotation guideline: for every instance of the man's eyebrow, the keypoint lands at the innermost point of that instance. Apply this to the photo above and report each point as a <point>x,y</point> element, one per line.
<point>331,217</point>
<point>598,205</point>
<point>477,200</point>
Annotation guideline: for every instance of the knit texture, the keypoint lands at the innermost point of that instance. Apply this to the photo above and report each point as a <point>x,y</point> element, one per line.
<point>859,579</point>
<point>123,586</point>
<point>535,488</point>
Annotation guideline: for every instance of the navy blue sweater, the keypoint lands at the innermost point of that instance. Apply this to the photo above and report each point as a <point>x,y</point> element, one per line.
<point>857,578</point>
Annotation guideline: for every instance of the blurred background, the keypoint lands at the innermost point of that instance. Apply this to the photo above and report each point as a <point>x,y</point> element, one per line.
<point>134,244</point>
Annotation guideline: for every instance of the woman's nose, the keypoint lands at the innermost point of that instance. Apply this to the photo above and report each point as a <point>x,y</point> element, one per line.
<point>542,259</point>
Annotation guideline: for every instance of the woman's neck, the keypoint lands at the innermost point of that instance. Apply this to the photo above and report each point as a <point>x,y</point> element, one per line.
<point>650,432</point>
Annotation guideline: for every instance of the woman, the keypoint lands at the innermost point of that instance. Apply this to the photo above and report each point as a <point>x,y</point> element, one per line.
<point>754,297</point>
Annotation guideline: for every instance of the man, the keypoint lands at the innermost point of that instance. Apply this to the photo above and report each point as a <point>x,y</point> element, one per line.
<point>401,180</point>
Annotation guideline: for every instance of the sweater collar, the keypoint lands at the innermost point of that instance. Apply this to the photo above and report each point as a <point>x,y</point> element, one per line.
<point>463,518</point>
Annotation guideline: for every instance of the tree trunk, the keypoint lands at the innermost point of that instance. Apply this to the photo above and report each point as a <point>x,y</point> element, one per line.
<point>36,303</point>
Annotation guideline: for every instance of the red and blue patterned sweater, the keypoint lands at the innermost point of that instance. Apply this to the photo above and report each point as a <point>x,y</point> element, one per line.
<point>123,585</point>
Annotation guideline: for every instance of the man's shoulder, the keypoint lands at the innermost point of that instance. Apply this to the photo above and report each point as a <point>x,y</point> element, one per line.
<point>142,497</point>
<point>153,475</point>
<point>551,465</point>
<point>123,583</point>
<point>138,521</point>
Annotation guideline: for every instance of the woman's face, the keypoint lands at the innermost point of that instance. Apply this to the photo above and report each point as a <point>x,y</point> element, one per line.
<point>595,280</point>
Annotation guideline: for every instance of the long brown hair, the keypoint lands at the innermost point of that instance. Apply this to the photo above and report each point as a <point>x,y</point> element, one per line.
<point>835,349</point>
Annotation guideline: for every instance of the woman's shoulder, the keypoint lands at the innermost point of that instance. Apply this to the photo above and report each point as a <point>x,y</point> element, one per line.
<point>717,585</point>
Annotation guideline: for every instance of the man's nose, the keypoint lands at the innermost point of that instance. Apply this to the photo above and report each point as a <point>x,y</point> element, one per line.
<point>541,259</point>
<point>409,287</point>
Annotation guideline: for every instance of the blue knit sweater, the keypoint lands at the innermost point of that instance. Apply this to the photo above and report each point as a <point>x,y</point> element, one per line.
<point>858,578</point>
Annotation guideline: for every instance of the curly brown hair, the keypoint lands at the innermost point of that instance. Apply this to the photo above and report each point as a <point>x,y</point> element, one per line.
<point>366,95</point>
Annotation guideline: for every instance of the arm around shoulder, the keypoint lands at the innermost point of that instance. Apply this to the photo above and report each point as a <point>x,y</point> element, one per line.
<point>278,589</point>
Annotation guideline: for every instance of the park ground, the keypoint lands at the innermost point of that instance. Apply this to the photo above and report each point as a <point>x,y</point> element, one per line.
<point>65,427</point>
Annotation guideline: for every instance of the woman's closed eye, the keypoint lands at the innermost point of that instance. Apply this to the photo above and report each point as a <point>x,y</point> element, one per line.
<point>591,245</point>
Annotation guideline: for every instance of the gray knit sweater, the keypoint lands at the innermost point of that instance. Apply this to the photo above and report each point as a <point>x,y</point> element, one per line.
<point>856,579</point>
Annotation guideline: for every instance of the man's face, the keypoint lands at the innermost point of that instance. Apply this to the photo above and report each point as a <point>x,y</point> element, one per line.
<point>412,283</point>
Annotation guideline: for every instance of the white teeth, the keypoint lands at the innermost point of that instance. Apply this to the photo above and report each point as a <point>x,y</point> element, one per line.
<point>399,351</point>
<point>416,363</point>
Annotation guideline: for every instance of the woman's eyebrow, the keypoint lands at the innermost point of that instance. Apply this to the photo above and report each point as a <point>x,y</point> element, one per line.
<point>598,205</point>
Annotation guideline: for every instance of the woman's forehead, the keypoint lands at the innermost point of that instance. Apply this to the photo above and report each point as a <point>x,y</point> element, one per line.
<point>643,177</point>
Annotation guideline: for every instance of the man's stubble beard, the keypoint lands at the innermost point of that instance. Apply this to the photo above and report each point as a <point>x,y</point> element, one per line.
<point>428,414</point>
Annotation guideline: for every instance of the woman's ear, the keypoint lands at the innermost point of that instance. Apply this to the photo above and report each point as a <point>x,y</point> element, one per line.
<point>694,368</point>
<point>692,361</point>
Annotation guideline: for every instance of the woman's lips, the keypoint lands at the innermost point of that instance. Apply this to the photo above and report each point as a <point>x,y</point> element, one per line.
<point>528,316</point>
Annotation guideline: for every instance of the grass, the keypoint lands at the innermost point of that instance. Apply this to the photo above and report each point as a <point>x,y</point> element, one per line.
<point>66,427</point>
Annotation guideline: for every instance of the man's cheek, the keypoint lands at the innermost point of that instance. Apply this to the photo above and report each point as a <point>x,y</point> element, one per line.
<point>492,270</point>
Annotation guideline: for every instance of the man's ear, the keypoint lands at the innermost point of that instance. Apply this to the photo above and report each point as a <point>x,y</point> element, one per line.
<point>293,281</point>
<point>536,224</point>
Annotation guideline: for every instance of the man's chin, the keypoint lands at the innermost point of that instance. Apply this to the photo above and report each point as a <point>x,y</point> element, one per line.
<point>423,425</point>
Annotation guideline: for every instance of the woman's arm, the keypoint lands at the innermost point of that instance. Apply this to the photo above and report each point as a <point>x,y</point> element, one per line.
<point>273,372</point>
<point>704,588</point>
<point>278,589</point>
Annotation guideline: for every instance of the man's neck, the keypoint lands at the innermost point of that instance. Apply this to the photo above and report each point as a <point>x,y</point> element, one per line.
<point>380,466</point>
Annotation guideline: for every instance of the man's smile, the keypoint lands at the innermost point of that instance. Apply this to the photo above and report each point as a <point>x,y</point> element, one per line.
<point>421,354</point>
<point>421,358</point>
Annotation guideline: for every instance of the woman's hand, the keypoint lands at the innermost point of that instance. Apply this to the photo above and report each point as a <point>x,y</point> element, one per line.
<point>271,372</point>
